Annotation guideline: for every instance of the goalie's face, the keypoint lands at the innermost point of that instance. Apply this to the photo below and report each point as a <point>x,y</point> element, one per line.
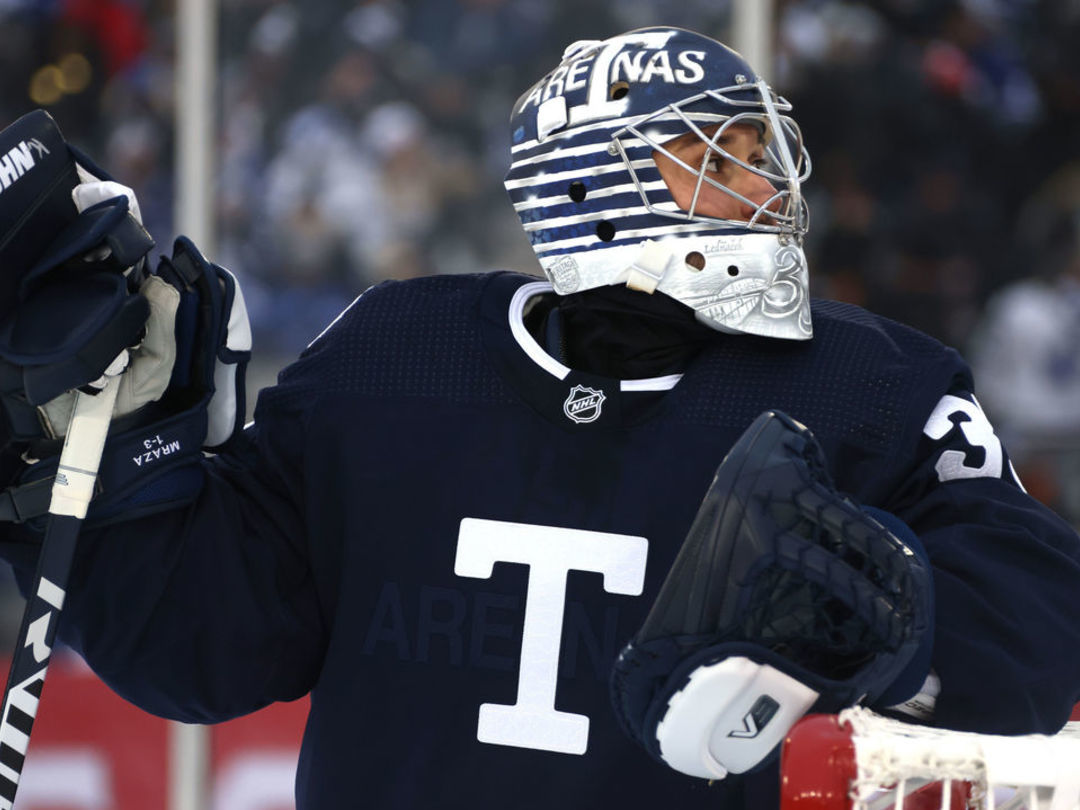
<point>716,177</point>
<point>658,159</point>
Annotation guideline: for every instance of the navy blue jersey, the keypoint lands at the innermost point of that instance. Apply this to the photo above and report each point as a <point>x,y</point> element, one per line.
<point>445,536</point>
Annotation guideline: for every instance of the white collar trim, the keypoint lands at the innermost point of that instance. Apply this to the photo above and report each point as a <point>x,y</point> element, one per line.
<point>552,366</point>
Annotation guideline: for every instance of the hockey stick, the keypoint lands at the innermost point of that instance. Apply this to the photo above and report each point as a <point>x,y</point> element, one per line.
<point>71,493</point>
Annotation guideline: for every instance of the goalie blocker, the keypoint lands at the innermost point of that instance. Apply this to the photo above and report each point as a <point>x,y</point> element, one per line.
<point>87,334</point>
<point>150,459</point>
<point>786,596</point>
<point>76,290</point>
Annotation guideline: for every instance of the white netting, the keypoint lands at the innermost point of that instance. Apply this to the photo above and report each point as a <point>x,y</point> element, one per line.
<point>1037,772</point>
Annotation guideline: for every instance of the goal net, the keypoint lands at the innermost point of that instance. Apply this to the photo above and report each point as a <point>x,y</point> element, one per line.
<point>859,760</point>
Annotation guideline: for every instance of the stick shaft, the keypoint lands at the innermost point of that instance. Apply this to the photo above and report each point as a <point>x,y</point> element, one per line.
<point>72,490</point>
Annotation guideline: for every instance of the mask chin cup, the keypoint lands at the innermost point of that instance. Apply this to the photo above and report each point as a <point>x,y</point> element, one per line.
<point>730,717</point>
<point>737,282</point>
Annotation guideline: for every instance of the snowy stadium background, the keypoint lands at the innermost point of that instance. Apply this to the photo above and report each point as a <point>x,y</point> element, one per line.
<point>946,194</point>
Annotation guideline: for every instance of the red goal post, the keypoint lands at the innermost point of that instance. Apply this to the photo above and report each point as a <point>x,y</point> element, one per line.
<point>858,760</point>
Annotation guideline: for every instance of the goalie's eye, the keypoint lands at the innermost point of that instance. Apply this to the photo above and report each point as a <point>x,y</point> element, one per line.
<point>716,164</point>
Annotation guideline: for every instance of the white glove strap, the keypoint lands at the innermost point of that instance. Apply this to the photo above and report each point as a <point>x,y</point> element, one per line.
<point>729,717</point>
<point>222,412</point>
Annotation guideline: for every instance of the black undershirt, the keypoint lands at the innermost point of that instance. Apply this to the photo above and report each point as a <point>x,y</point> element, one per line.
<point>618,332</point>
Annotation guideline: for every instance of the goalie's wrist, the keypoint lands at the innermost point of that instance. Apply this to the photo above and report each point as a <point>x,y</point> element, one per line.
<point>912,681</point>
<point>145,467</point>
<point>730,717</point>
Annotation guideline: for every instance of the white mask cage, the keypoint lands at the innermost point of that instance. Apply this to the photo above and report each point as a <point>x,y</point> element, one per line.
<point>787,165</point>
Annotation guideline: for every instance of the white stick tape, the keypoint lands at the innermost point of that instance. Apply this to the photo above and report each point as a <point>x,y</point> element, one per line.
<point>81,456</point>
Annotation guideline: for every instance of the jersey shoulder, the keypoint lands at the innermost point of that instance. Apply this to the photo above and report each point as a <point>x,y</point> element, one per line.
<point>419,337</point>
<point>408,305</point>
<point>913,369</point>
<point>862,381</point>
<point>850,330</point>
<point>416,307</point>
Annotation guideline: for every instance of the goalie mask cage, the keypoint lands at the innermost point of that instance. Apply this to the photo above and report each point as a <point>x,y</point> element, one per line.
<point>858,760</point>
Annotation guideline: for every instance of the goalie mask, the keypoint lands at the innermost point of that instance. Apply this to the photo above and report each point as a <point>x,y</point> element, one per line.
<point>585,182</point>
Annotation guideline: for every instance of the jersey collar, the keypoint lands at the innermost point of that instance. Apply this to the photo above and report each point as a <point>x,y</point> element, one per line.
<point>572,399</point>
<point>537,355</point>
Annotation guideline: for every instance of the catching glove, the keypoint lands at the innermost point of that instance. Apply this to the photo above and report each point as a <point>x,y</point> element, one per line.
<point>785,596</point>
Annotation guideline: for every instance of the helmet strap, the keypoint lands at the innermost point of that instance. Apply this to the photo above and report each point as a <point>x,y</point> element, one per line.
<point>650,267</point>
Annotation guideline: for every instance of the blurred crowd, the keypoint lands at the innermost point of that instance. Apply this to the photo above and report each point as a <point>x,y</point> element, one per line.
<point>366,140</point>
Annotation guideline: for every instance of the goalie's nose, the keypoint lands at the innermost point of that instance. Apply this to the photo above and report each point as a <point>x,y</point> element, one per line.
<point>760,192</point>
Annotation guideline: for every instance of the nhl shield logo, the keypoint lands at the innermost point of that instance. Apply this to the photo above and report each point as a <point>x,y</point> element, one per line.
<point>583,404</point>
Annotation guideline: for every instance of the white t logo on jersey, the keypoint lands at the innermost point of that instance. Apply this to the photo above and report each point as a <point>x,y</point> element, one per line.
<point>551,553</point>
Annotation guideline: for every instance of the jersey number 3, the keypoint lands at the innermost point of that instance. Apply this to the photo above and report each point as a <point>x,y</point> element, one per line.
<point>977,431</point>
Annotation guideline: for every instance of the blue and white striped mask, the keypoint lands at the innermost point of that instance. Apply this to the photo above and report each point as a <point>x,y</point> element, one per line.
<point>597,211</point>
